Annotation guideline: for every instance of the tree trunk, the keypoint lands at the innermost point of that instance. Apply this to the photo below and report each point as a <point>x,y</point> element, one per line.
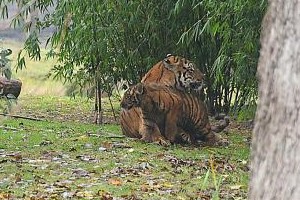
<point>98,102</point>
<point>275,165</point>
<point>10,87</point>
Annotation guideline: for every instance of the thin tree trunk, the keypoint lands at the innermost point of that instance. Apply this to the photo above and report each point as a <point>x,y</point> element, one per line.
<point>112,108</point>
<point>275,166</point>
<point>98,103</point>
<point>97,59</point>
<point>100,113</point>
<point>96,116</point>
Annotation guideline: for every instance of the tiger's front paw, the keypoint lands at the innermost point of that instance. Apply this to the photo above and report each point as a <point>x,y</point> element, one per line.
<point>162,141</point>
<point>156,139</point>
<point>147,138</point>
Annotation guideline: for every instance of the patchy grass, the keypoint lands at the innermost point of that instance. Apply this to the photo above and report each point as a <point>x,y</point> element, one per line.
<point>65,156</point>
<point>63,108</point>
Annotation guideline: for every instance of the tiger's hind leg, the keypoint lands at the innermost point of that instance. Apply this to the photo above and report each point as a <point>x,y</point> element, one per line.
<point>172,131</point>
<point>151,133</point>
<point>187,138</point>
<point>184,137</point>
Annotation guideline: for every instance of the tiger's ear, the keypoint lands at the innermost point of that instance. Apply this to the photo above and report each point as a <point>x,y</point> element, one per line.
<point>139,88</point>
<point>167,64</point>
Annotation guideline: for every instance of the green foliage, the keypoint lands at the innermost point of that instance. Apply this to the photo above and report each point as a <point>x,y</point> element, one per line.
<point>224,39</point>
<point>99,43</point>
<point>246,113</point>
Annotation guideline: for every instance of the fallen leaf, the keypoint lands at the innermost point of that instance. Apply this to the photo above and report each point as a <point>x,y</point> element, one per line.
<point>104,195</point>
<point>86,158</point>
<point>130,150</point>
<point>115,181</point>
<point>16,156</point>
<point>18,178</point>
<point>61,184</point>
<point>102,149</point>
<point>244,162</point>
<point>144,165</point>
<point>66,194</point>
<point>121,145</point>
<point>80,173</point>
<point>145,188</point>
<point>4,195</point>
<point>46,142</point>
<point>168,185</point>
<point>88,145</point>
<point>85,194</point>
<point>83,137</point>
<point>130,197</point>
<point>236,187</point>
<point>107,145</point>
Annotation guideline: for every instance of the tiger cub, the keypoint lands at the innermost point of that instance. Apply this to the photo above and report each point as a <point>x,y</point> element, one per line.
<point>174,110</point>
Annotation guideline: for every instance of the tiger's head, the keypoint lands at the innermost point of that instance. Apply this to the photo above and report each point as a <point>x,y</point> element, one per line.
<point>187,75</point>
<point>132,96</point>
<point>177,72</point>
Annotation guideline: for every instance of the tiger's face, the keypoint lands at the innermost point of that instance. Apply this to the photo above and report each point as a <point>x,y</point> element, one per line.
<point>132,97</point>
<point>187,75</point>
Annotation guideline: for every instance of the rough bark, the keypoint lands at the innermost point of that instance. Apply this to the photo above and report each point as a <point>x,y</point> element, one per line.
<point>275,165</point>
<point>10,87</point>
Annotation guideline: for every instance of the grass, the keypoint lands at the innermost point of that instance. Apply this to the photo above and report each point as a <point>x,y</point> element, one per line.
<point>65,156</point>
<point>61,157</point>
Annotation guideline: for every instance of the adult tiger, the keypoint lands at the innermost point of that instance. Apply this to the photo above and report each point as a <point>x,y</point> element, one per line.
<point>173,110</point>
<point>173,71</point>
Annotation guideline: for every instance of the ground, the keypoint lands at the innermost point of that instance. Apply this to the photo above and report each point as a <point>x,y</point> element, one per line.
<point>65,156</point>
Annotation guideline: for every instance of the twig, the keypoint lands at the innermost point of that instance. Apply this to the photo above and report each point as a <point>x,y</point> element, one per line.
<point>114,136</point>
<point>9,128</point>
<point>21,117</point>
<point>105,136</point>
<point>112,108</point>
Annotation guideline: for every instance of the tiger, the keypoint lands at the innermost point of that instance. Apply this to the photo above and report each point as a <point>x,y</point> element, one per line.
<point>173,71</point>
<point>174,110</point>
